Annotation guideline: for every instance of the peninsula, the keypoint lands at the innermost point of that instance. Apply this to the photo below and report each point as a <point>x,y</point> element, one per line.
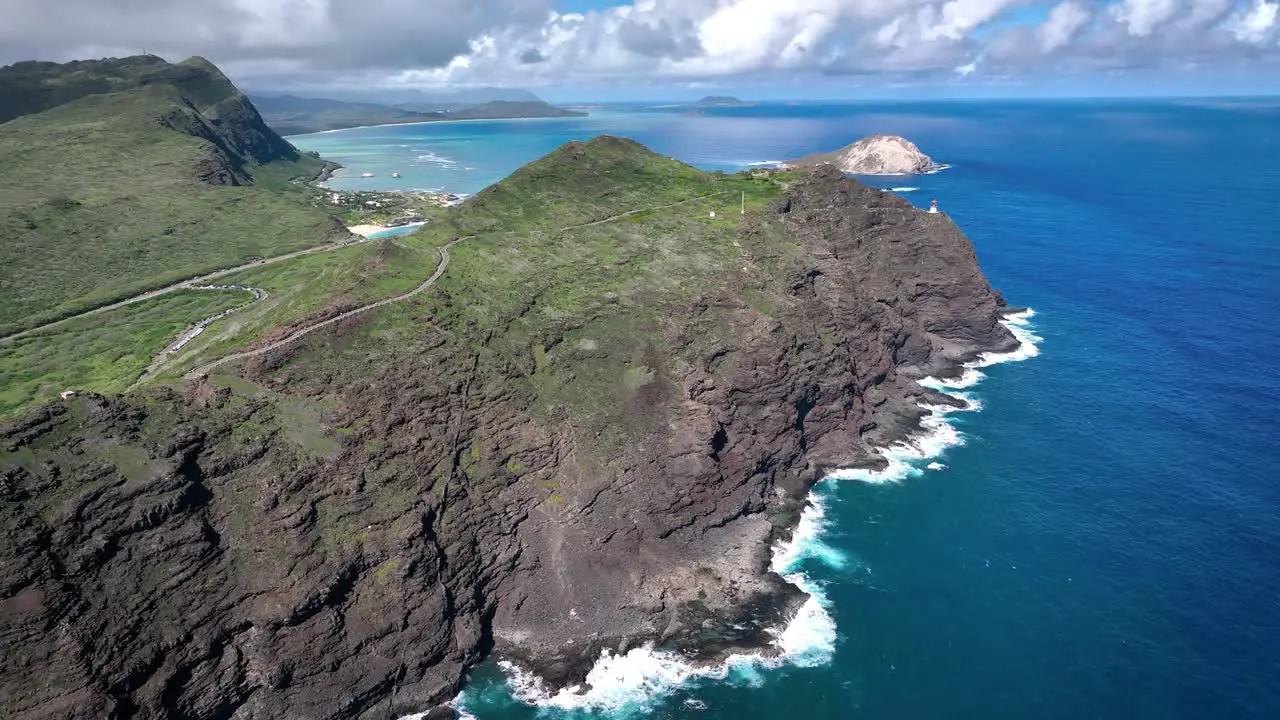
<point>570,415</point>
<point>292,115</point>
<point>720,101</point>
<point>875,155</point>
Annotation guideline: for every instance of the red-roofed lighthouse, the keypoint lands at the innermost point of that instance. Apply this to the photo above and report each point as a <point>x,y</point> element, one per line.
<point>933,206</point>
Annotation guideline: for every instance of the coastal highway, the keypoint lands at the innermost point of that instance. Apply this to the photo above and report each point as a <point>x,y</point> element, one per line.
<point>182,285</point>
<point>204,370</point>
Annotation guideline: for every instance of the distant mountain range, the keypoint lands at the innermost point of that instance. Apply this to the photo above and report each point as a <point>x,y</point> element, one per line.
<point>414,99</point>
<point>294,115</point>
<point>720,101</point>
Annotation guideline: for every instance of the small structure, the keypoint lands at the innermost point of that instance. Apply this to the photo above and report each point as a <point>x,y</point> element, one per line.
<point>366,175</point>
<point>713,214</point>
<point>395,175</point>
<point>933,206</point>
<point>68,394</point>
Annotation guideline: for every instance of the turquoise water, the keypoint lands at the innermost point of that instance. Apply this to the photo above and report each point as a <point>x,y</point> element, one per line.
<point>1104,542</point>
<point>400,231</point>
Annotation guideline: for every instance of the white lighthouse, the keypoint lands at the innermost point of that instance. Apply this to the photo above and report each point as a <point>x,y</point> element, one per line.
<point>933,206</point>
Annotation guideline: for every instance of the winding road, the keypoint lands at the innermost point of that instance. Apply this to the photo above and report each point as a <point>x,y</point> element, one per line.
<point>188,284</point>
<point>203,370</point>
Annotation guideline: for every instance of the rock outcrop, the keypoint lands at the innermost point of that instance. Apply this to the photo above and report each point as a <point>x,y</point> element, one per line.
<point>875,155</point>
<point>330,544</point>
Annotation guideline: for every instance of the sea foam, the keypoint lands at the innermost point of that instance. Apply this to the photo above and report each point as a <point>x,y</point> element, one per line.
<point>627,685</point>
<point>912,456</point>
<point>903,189</point>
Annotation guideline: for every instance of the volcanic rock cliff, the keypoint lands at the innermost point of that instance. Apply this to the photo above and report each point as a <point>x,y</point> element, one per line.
<point>207,552</point>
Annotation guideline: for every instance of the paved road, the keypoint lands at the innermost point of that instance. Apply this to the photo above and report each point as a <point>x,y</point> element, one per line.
<point>440,268</point>
<point>183,285</point>
<point>205,369</point>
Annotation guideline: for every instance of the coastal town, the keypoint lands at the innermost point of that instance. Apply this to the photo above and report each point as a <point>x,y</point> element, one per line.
<point>368,212</point>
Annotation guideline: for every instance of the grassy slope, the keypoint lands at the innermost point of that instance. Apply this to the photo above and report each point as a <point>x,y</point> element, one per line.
<point>534,287</point>
<point>587,304</point>
<point>102,353</point>
<point>98,202</point>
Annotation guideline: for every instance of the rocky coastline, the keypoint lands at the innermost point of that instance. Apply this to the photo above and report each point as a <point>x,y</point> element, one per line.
<point>542,543</point>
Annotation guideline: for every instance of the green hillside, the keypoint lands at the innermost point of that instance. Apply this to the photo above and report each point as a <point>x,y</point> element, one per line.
<point>140,174</point>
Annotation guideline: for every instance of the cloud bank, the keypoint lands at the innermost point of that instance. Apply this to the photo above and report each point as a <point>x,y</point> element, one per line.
<point>530,43</point>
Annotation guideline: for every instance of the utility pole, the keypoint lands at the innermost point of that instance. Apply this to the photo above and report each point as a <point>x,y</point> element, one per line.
<point>744,202</point>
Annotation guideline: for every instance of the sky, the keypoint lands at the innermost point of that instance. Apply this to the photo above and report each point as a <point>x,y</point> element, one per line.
<point>602,50</point>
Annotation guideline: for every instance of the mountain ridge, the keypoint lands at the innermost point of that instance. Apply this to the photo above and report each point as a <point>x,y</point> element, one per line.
<point>123,163</point>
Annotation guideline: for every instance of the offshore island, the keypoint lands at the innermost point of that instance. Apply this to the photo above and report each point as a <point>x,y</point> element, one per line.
<point>570,415</point>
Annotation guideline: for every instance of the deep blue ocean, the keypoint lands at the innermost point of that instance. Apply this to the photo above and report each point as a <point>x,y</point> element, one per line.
<point>1104,541</point>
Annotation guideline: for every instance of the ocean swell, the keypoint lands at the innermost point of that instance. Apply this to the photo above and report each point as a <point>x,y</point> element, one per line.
<point>627,685</point>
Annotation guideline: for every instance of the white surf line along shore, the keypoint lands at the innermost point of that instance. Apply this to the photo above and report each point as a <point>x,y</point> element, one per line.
<point>908,457</point>
<point>630,682</point>
<point>205,369</point>
<point>187,284</point>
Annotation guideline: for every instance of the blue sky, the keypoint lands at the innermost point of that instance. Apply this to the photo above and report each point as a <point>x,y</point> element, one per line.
<point>584,50</point>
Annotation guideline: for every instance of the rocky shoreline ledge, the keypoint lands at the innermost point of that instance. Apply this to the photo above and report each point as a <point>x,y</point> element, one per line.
<point>160,556</point>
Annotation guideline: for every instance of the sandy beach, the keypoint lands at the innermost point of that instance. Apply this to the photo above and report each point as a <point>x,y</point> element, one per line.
<point>367,230</point>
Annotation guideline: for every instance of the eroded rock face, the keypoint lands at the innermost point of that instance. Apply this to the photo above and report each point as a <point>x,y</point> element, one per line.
<point>203,556</point>
<point>876,155</point>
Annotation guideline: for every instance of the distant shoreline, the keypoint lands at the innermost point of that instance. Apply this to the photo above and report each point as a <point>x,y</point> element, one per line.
<point>435,122</point>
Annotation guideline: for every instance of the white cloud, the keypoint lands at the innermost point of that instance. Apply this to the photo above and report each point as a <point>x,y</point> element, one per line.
<point>525,42</point>
<point>1257,24</point>
<point>1064,21</point>
<point>1143,16</point>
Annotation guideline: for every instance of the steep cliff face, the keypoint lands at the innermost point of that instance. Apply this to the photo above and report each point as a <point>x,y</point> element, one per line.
<point>192,97</point>
<point>205,104</point>
<point>222,553</point>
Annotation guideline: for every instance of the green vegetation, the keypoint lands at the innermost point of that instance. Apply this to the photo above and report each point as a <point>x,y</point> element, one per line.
<point>104,353</point>
<point>570,267</point>
<point>573,262</point>
<point>110,194</point>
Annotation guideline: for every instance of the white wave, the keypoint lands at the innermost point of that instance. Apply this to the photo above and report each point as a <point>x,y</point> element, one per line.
<point>629,683</point>
<point>937,169</point>
<point>765,163</point>
<point>695,704</point>
<point>904,189</point>
<point>935,466</point>
<point>437,159</point>
<point>936,433</point>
